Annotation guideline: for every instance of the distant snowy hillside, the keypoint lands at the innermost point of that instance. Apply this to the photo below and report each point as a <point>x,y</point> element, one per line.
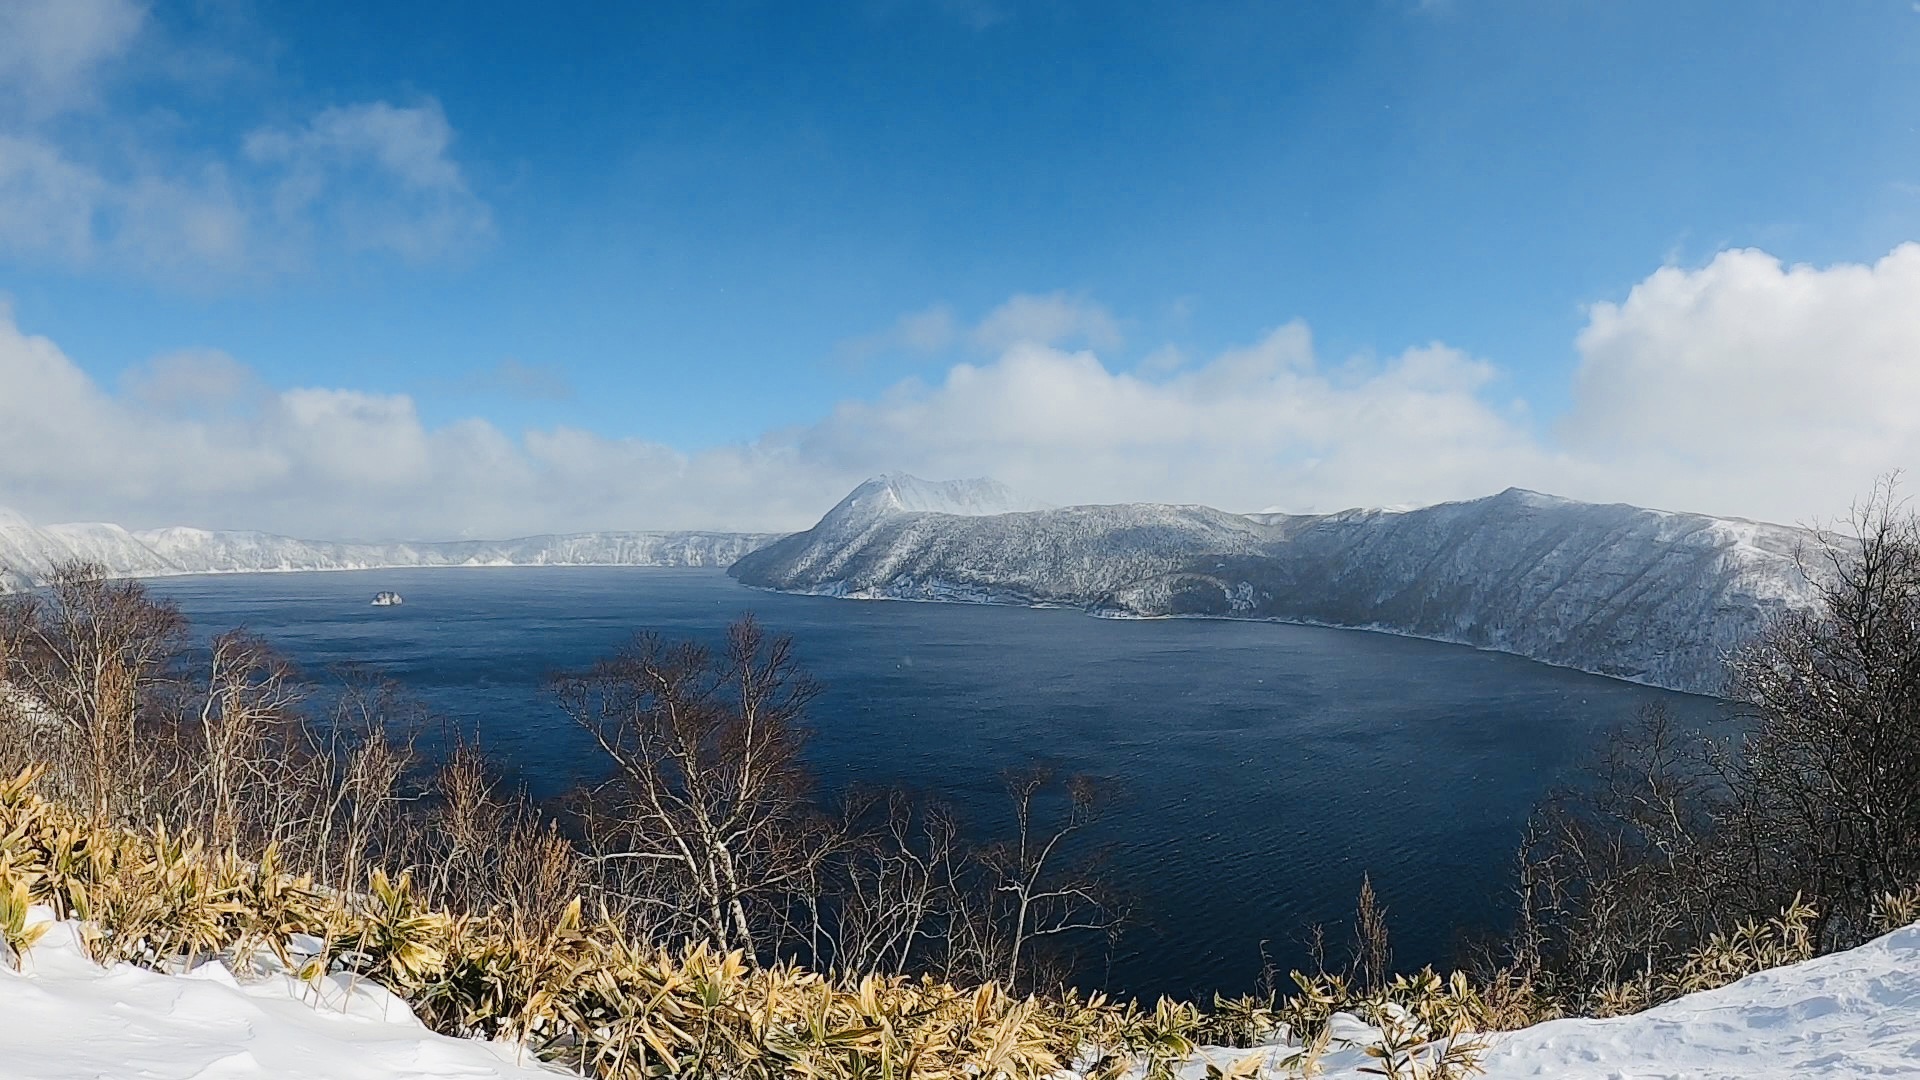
<point>1647,595</point>
<point>28,553</point>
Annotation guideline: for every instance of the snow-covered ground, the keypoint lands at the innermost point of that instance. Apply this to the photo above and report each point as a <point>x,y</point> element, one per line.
<point>1851,1014</point>
<point>63,1017</point>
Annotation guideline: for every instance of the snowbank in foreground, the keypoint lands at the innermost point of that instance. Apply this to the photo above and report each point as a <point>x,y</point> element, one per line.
<point>63,1017</point>
<point>1850,1014</point>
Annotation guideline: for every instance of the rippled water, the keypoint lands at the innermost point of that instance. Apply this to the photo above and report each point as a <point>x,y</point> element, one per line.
<point>1258,769</point>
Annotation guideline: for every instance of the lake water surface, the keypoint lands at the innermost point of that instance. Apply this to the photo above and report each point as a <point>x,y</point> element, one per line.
<point>1258,769</point>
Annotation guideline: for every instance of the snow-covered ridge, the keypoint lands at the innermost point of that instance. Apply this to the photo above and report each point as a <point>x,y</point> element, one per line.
<point>903,494</point>
<point>28,553</point>
<point>1647,595</point>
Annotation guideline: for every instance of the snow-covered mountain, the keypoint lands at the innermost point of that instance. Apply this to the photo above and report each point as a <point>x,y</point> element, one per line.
<point>28,552</point>
<point>900,493</point>
<point>1648,595</point>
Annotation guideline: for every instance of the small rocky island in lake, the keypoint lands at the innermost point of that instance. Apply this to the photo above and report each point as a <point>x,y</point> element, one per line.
<point>387,599</point>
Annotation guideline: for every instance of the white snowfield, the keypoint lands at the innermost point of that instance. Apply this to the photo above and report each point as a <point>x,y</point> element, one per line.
<point>64,1017</point>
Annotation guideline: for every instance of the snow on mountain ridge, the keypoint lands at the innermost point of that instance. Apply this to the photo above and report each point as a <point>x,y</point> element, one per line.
<point>29,553</point>
<point>902,493</point>
<point>1647,595</point>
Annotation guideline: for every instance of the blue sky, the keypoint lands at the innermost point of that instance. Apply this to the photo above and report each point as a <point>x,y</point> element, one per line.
<point>745,249</point>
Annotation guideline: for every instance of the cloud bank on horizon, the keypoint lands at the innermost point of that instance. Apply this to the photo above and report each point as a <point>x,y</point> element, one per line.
<point>1743,387</point>
<point>1740,386</point>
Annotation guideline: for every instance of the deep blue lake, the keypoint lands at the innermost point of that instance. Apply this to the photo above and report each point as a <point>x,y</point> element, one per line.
<point>1258,769</point>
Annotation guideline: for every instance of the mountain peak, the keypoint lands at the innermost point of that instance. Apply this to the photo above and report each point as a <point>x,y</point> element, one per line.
<point>901,493</point>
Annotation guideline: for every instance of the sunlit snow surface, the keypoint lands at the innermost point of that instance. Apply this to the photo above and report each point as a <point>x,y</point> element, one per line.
<point>1852,1014</point>
<point>63,1017</point>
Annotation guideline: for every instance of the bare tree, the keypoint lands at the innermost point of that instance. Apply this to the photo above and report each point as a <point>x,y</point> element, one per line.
<point>93,654</point>
<point>1816,797</point>
<point>886,902</point>
<point>235,770</point>
<point>707,820</point>
<point>1828,786</point>
<point>1040,890</point>
<point>1617,873</point>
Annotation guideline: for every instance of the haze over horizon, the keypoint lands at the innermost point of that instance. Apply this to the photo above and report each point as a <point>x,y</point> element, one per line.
<point>391,274</point>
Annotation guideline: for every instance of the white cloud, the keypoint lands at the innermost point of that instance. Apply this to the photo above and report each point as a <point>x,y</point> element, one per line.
<point>57,209</point>
<point>1253,427</point>
<point>192,382</point>
<point>382,174</point>
<point>1750,387</point>
<point>195,438</point>
<point>1053,319</point>
<point>89,180</point>
<point>1742,387</point>
<point>47,203</point>
<point>51,51</point>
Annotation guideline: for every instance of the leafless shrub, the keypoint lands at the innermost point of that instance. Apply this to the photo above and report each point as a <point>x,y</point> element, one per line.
<point>481,850</point>
<point>1680,841</point>
<point>884,903</point>
<point>1025,901</point>
<point>231,745</point>
<point>1372,951</point>
<point>1618,873</point>
<point>90,656</point>
<point>708,821</point>
<point>1827,787</point>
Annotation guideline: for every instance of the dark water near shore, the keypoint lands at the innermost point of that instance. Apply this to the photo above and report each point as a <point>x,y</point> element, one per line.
<point>1258,769</point>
